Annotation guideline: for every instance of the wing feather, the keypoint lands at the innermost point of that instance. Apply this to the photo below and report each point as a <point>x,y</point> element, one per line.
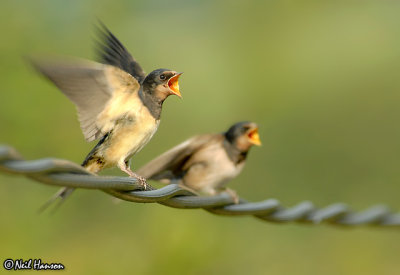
<point>90,86</point>
<point>168,165</point>
<point>112,52</point>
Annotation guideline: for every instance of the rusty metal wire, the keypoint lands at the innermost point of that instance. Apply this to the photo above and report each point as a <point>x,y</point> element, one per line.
<point>65,173</point>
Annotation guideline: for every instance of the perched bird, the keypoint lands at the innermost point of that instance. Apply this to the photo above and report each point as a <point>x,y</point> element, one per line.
<point>205,163</point>
<point>116,102</point>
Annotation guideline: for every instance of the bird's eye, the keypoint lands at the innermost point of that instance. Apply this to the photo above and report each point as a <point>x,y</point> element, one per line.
<point>162,77</point>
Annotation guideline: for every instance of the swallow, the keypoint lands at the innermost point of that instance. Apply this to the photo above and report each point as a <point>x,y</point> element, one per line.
<point>205,163</point>
<point>117,103</point>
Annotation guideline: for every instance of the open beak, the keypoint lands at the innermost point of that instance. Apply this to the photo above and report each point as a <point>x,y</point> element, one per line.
<point>174,85</point>
<point>253,136</point>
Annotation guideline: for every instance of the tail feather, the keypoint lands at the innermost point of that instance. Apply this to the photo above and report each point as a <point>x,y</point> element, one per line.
<point>61,194</point>
<point>93,156</point>
<point>93,163</point>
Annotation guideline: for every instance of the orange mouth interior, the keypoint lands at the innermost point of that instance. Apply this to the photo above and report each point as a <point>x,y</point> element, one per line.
<point>254,137</point>
<point>174,85</point>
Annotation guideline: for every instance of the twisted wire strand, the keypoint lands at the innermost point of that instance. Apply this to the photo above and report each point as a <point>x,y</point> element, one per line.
<point>65,173</point>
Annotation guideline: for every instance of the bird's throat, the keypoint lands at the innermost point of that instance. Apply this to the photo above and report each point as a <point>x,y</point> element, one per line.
<point>152,103</point>
<point>235,155</point>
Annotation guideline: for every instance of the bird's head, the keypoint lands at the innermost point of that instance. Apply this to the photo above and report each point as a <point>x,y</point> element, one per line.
<point>243,135</point>
<point>162,83</point>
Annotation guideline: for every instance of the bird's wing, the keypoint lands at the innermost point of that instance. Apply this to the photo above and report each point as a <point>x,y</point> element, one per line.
<point>169,164</point>
<point>112,52</point>
<point>90,85</point>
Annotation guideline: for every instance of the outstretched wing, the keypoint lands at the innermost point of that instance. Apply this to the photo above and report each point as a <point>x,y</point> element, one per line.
<point>169,165</point>
<point>112,52</point>
<point>90,85</point>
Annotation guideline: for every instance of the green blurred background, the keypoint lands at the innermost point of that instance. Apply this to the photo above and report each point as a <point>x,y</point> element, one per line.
<point>320,77</point>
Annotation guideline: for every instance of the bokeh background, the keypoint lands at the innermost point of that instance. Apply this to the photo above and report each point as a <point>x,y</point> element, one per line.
<point>320,77</point>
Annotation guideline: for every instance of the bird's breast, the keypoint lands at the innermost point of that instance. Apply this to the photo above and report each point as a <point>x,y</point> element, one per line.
<point>224,169</point>
<point>130,135</point>
<point>217,170</point>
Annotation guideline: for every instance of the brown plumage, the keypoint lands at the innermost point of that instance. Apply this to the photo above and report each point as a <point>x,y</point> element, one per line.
<point>205,163</point>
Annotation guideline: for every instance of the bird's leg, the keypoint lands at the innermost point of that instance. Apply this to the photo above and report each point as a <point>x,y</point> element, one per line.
<point>233,194</point>
<point>142,180</point>
<point>124,166</point>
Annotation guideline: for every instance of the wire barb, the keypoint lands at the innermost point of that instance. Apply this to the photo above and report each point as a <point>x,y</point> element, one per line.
<point>65,173</point>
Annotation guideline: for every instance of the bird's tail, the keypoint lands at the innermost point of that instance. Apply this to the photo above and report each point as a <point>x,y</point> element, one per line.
<point>93,163</point>
<point>61,195</point>
<point>65,192</point>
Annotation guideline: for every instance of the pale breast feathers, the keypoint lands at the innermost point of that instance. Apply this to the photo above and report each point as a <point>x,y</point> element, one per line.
<point>211,168</point>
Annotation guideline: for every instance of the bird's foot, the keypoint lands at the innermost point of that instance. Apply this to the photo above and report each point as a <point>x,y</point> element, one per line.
<point>125,168</point>
<point>233,195</point>
<point>141,180</point>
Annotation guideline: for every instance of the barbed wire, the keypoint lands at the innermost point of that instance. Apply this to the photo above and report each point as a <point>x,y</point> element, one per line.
<point>65,173</point>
